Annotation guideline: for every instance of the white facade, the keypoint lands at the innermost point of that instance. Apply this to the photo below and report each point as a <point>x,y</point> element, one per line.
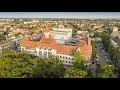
<point>44,52</point>
<point>115,29</point>
<point>61,33</point>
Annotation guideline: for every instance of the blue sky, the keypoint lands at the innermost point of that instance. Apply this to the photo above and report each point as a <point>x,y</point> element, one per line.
<point>59,14</point>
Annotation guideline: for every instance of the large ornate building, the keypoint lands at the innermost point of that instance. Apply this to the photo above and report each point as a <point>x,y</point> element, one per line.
<point>46,45</point>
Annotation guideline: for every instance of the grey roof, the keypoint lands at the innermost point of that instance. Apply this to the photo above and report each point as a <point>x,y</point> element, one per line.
<point>37,36</point>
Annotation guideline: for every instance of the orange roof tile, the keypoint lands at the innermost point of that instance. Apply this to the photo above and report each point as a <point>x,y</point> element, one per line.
<point>66,48</point>
<point>48,42</point>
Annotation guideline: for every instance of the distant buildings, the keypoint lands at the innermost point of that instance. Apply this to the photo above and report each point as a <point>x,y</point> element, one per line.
<point>115,37</point>
<point>6,19</point>
<point>82,34</point>
<point>6,43</point>
<point>115,32</point>
<point>47,46</point>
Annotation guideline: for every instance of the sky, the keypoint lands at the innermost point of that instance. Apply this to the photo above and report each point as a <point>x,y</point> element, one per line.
<point>59,14</point>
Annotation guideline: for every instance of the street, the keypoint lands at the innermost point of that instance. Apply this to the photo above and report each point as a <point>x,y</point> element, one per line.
<point>104,57</point>
<point>101,54</point>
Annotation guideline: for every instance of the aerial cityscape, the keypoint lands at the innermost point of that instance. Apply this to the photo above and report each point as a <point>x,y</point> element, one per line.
<point>59,44</point>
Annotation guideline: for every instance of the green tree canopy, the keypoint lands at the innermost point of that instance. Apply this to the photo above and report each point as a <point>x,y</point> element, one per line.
<point>15,64</point>
<point>49,68</point>
<point>74,30</point>
<point>75,73</point>
<point>106,71</point>
<point>94,52</point>
<point>78,60</point>
<point>20,64</point>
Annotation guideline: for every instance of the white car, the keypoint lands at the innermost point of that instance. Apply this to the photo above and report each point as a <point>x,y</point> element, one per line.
<point>96,59</point>
<point>102,50</point>
<point>107,60</point>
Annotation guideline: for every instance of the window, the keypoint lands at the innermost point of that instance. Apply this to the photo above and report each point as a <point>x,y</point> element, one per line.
<point>60,57</point>
<point>69,62</point>
<point>45,54</point>
<point>66,61</point>
<point>40,48</point>
<point>49,53</point>
<point>66,57</point>
<point>72,58</point>
<point>44,48</point>
<point>49,49</point>
<point>69,58</point>
<point>63,56</point>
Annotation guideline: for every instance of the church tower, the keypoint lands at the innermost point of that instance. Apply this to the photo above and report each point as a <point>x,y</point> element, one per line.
<point>46,31</point>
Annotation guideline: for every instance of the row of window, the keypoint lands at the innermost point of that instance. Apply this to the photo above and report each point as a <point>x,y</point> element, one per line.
<point>60,33</point>
<point>67,62</point>
<point>65,57</point>
<point>63,53</point>
<point>45,48</point>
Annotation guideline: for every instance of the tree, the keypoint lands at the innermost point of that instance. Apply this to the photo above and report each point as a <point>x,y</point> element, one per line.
<point>74,30</point>
<point>20,64</point>
<point>93,49</point>
<point>89,72</point>
<point>105,40</point>
<point>17,34</point>
<point>49,68</point>
<point>78,60</point>
<point>6,32</point>
<point>15,64</point>
<point>75,73</point>
<point>115,55</point>
<point>106,71</point>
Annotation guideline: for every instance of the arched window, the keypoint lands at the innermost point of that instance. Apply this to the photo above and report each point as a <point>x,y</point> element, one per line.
<point>45,54</point>
<point>40,47</point>
<point>49,49</point>
<point>40,53</point>
<point>49,53</point>
<point>45,48</point>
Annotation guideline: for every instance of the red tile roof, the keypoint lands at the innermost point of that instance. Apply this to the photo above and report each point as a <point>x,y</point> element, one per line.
<point>66,49</point>
<point>48,42</point>
<point>28,43</point>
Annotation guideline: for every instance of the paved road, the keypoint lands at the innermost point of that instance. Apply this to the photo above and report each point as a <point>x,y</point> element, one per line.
<point>101,54</point>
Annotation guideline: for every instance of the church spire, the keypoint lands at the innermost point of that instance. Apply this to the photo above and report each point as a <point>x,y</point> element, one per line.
<point>46,28</point>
